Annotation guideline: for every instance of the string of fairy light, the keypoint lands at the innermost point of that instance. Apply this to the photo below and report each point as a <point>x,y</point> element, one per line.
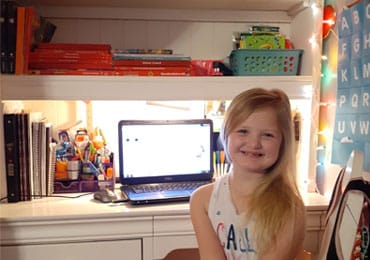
<point>327,103</point>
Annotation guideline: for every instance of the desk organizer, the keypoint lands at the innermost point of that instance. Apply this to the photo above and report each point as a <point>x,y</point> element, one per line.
<point>248,62</point>
<point>68,186</point>
<point>83,184</point>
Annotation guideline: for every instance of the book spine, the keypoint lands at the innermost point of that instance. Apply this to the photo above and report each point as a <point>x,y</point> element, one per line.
<point>265,28</point>
<point>19,56</point>
<point>26,149</point>
<point>26,157</point>
<point>23,156</point>
<point>43,153</point>
<point>74,46</point>
<point>32,23</point>
<point>49,157</point>
<point>89,72</point>
<point>144,51</point>
<point>4,30</point>
<point>20,158</point>
<point>50,54</point>
<point>76,65</point>
<point>56,60</point>
<point>142,68</point>
<point>161,57</point>
<point>51,171</point>
<point>11,157</point>
<point>153,63</point>
<point>36,164</point>
<point>119,72</point>
<point>153,71</point>
<point>11,36</point>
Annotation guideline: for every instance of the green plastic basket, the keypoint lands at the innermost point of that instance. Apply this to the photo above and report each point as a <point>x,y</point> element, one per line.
<point>244,62</point>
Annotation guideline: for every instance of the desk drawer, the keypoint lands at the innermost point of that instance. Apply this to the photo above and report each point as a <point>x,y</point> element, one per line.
<point>113,250</point>
<point>167,225</point>
<point>165,244</point>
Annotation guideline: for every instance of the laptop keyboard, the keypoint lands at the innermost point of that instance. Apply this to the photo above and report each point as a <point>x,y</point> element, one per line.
<point>162,187</point>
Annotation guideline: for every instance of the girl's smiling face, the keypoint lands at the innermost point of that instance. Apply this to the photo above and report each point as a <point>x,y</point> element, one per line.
<point>254,145</point>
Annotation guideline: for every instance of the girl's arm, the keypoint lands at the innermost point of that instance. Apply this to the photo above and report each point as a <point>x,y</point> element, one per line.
<point>208,243</point>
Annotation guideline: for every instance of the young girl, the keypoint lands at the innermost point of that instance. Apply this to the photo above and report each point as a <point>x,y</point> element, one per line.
<point>255,211</point>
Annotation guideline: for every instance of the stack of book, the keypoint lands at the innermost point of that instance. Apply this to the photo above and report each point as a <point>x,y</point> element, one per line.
<point>150,62</point>
<point>21,30</point>
<point>29,156</point>
<point>71,59</point>
<point>261,37</point>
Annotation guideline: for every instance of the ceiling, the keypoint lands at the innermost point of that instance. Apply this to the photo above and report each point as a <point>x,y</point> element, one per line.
<point>251,5</point>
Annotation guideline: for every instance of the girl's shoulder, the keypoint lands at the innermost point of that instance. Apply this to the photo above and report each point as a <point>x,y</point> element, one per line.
<point>199,199</point>
<point>203,193</point>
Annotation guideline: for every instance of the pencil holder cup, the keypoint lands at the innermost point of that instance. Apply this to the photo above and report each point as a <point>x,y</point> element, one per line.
<point>73,169</point>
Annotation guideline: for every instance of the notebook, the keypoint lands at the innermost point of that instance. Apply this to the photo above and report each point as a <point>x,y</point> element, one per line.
<point>155,153</point>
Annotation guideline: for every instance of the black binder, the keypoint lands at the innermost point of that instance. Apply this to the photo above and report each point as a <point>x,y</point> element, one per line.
<point>11,157</point>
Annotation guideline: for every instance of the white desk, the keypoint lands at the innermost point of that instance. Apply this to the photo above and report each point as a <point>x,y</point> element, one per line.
<point>54,228</point>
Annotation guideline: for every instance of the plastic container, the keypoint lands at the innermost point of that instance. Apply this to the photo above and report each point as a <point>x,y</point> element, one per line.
<point>66,186</point>
<point>248,62</point>
<point>88,180</point>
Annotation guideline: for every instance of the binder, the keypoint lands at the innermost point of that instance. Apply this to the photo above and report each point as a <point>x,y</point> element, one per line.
<point>4,44</point>
<point>11,157</point>
<point>11,23</point>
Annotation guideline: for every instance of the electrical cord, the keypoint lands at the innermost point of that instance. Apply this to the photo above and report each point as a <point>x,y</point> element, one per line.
<point>56,196</point>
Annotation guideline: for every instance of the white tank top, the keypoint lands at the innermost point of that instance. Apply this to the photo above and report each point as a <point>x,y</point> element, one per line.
<point>235,239</point>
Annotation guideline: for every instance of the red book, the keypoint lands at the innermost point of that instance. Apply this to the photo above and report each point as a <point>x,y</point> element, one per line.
<point>69,54</point>
<point>75,46</point>
<point>89,72</point>
<point>69,65</point>
<point>142,68</point>
<point>152,63</point>
<point>153,71</point>
<point>19,47</point>
<point>105,60</point>
<point>32,23</point>
<point>92,72</point>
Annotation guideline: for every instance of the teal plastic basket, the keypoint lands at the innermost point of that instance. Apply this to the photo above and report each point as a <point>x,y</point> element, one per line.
<point>246,62</point>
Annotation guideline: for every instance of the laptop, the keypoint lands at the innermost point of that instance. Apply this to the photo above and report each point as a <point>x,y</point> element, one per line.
<point>164,160</point>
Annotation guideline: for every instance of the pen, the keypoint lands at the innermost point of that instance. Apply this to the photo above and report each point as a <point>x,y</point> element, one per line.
<point>79,152</point>
<point>218,163</point>
<point>222,162</point>
<point>214,164</point>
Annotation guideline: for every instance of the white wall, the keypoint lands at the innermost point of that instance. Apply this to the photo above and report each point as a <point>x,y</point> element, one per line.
<point>199,40</point>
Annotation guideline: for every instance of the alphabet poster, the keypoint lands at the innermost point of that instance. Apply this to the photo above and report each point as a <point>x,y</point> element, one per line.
<point>352,119</point>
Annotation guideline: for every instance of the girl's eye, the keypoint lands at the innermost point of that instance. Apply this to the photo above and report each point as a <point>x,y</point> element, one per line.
<point>268,134</point>
<point>242,131</point>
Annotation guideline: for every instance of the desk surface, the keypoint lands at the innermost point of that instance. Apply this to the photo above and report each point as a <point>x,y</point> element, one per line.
<point>84,206</point>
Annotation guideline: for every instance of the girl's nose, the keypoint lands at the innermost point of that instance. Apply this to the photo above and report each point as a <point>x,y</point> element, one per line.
<point>253,141</point>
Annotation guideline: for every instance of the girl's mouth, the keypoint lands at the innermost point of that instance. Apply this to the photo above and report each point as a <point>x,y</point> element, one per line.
<point>252,154</point>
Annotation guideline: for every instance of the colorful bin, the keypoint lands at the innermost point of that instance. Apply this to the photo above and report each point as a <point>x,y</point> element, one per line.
<point>248,62</point>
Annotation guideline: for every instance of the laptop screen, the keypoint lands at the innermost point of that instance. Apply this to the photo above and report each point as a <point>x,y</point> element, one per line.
<point>152,151</point>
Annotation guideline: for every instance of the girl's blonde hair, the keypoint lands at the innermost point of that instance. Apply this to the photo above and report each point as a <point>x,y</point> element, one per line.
<point>276,200</point>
